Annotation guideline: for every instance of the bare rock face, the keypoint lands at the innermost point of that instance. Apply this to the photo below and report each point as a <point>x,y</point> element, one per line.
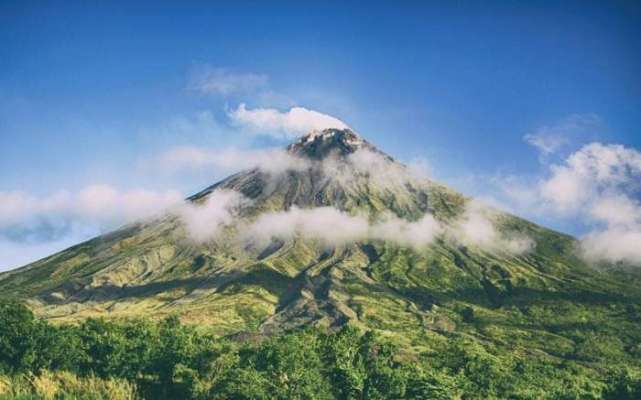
<point>320,144</point>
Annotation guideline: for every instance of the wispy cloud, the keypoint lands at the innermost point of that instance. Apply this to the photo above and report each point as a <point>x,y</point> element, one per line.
<point>550,139</point>
<point>375,168</point>
<point>26,216</point>
<point>477,227</point>
<point>292,123</point>
<point>203,221</point>
<point>270,160</point>
<point>414,234</point>
<point>225,82</point>
<point>332,226</point>
<point>323,223</point>
<point>546,143</point>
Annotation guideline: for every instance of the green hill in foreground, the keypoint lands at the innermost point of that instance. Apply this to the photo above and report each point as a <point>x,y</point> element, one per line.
<point>497,291</point>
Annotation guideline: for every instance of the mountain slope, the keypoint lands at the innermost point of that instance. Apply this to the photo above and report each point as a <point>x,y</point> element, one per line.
<point>542,300</point>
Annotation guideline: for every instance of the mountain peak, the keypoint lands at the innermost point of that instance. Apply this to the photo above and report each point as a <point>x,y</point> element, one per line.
<point>318,144</point>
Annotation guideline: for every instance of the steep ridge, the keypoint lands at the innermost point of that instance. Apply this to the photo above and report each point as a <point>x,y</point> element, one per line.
<point>417,294</point>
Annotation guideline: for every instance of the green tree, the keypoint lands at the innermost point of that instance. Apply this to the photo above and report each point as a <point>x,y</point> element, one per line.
<point>20,336</point>
<point>623,384</point>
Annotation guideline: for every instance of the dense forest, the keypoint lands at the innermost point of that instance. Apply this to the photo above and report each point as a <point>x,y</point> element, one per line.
<point>99,359</point>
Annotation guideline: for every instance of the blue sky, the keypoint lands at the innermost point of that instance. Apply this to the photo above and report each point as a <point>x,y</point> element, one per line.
<point>92,93</point>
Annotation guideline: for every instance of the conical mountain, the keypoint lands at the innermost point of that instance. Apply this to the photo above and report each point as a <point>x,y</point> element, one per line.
<point>334,231</point>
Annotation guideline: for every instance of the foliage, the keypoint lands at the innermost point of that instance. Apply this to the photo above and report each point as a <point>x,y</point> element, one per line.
<point>100,359</point>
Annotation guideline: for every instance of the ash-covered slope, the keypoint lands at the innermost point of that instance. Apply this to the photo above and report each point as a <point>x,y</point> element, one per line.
<point>366,259</point>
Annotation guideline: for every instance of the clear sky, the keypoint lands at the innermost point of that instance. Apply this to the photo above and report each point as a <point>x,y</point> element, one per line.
<point>490,95</point>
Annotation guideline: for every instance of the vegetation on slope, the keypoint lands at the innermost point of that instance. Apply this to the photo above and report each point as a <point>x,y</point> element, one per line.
<point>96,359</point>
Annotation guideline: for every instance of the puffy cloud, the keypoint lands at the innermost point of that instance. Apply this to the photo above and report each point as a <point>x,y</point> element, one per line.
<point>615,244</point>
<point>616,210</point>
<point>589,175</point>
<point>565,189</point>
<point>415,234</point>
<point>610,177</point>
<point>326,224</point>
<point>598,185</point>
<point>205,220</point>
<point>288,124</point>
<point>269,160</point>
<point>222,81</point>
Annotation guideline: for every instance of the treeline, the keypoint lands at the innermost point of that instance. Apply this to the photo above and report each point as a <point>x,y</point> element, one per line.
<point>169,360</point>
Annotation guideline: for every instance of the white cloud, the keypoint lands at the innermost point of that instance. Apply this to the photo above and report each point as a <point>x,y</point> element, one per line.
<point>365,161</point>
<point>376,168</point>
<point>381,168</point>
<point>222,81</point>
<point>288,124</point>
<point>34,226</point>
<point>610,177</point>
<point>326,224</point>
<point>615,210</point>
<point>594,171</point>
<point>614,244</point>
<point>101,205</point>
<point>204,221</point>
<point>550,139</point>
<point>546,144</point>
<point>332,226</point>
<point>269,160</point>
<point>476,227</point>
<point>599,186</point>
<point>414,234</point>
<point>516,195</point>
<point>565,189</point>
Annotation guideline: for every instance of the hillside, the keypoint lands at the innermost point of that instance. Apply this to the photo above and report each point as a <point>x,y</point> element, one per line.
<point>517,286</point>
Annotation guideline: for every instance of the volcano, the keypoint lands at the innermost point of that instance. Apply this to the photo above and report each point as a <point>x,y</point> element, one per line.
<point>340,233</point>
